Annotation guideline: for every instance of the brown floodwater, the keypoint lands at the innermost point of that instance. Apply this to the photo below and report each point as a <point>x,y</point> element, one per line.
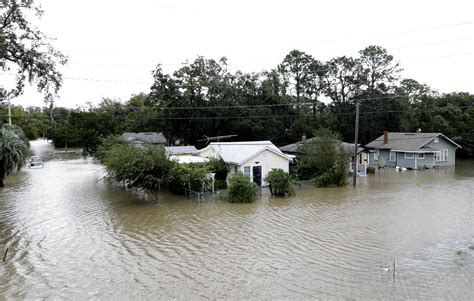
<point>71,234</point>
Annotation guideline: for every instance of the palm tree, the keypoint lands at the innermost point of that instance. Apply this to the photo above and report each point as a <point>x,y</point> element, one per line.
<point>13,151</point>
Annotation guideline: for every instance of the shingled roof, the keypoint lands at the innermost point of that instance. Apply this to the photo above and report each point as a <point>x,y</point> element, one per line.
<point>145,137</point>
<point>406,141</point>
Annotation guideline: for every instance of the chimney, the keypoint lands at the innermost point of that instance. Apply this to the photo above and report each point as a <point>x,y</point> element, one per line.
<point>418,130</point>
<point>303,138</point>
<point>385,137</point>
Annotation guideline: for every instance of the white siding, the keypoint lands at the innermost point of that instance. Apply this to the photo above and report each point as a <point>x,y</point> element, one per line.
<point>267,160</point>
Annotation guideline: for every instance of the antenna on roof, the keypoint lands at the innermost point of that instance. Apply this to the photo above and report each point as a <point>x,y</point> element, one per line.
<point>216,138</point>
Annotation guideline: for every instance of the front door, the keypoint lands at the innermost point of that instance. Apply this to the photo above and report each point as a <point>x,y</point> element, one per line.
<point>257,175</point>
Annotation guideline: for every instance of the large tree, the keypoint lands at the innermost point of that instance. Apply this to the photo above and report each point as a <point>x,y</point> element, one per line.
<point>26,52</point>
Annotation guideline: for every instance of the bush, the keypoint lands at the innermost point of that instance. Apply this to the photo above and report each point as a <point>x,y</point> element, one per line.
<point>140,167</point>
<point>280,182</point>
<point>323,160</point>
<point>370,170</point>
<point>241,190</point>
<point>191,176</point>
<point>219,185</point>
<point>220,168</point>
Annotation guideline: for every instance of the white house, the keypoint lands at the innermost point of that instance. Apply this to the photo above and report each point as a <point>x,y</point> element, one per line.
<point>254,158</point>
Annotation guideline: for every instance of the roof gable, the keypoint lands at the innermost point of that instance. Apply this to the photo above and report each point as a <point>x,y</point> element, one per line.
<point>239,152</point>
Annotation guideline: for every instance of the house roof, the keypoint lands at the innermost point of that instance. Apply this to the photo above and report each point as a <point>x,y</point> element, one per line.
<point>145,137</point>
<point>188,159</point>
<point>293,148</point>
<point>239,152</point>
<point>180,150</point>
<point>407,141</point>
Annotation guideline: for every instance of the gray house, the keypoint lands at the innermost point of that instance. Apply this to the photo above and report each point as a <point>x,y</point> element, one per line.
<point>145,138</point>
<point>412,150</point>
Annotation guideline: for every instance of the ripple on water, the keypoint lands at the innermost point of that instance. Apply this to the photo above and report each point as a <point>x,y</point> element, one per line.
<point>72,235</point>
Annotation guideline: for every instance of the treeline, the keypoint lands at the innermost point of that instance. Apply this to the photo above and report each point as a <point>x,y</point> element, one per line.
<point>297,97</point>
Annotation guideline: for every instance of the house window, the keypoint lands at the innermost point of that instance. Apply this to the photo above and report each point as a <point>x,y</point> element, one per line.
<point>247,171</point>
<point>392,156</point>
<point>436,140</point>
<point>376,155</point>
<point>236,168</point>
<point>409,156</point>
<point>444,155</point>
<point>441,156</point>
<point>421,156</point>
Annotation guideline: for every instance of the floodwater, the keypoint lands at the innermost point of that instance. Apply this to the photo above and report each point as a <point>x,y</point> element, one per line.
<point>71,234</point>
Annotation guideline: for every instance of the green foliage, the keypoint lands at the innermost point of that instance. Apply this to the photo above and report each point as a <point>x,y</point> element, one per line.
<point>26,51</point>
<point>106,144</point>
<point>192,176</point>
<point>220,168</point>
<point>280,182</point>
<point>140,167</point>
<point>370,170</point>
<point>219,184</point>
<point>13,151</point>
<point>323,160</point>
<point>241,190</point>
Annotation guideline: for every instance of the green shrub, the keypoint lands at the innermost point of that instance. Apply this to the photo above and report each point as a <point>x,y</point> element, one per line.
<point>323,160</point>
<point>140,167</point>
<point>220,168</point>
<point>191,176</point>
<point>241,190</point>
<point>219,184</point>
<point>279,182</point>
<point>370,170</point>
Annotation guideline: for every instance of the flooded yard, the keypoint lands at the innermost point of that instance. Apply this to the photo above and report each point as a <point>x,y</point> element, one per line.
<point>70,234</point>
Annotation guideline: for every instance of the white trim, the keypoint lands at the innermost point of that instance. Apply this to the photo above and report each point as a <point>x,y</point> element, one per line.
<point>414,151</point>
<point>459,146</point>
<point>249,173</point>
<point>261,151</point>
<point>413,155</point>
<point>392,156</point>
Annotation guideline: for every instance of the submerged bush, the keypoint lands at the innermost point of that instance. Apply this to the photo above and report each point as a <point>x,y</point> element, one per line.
<point>279,182</point>
<point>140,167</point>
<point>370,170</point>
<point>241,190</point>
<point>191,176</point>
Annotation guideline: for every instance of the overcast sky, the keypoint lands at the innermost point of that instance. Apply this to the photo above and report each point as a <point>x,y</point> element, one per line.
<point>114,45</point>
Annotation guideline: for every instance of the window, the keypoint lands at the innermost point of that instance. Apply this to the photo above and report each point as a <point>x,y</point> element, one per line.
<point>441,156</point>
<point>236,168</point>
<point>421,156</point>
<point>436,140</point>
<point>392,156</point>
<point>247,171</point>
<point>376,155</point>
<point>444,155</point>
<point>409,156</point>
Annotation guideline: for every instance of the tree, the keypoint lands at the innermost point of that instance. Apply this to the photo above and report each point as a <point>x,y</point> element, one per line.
<point>27,51</point>
<point>13,151</point>
<point>323,160</point>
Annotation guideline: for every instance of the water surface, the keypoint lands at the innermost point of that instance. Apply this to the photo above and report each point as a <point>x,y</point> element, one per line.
<point>70,234</point>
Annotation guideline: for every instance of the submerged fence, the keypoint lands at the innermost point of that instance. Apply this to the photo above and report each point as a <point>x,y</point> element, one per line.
<point>197,196</point>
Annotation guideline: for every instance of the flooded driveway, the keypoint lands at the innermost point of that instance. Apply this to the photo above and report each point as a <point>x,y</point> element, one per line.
<point>70,234</point>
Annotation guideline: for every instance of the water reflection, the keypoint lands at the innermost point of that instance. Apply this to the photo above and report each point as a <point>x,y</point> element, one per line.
<point>71,234</point>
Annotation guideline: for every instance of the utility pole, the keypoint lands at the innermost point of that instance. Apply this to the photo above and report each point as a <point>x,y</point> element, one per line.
<point>356,137</point>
